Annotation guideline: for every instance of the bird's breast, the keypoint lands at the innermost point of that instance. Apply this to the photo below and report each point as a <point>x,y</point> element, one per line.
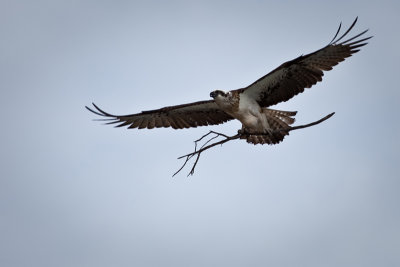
<point>229,105</point>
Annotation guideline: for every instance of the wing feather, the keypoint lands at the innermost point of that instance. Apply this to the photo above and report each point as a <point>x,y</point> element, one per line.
<point>195,114</point>
<point>292,77</point>
<point>157,122</point>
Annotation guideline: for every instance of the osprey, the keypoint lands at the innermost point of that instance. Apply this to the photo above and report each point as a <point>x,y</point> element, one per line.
<point>250,105</point>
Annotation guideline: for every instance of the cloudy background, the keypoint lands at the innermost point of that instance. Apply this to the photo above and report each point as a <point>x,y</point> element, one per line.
<point>76,193</point>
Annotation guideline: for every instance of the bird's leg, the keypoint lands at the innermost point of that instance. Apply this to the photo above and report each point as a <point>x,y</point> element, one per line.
<point>268,131</point>
<point>265,125</point>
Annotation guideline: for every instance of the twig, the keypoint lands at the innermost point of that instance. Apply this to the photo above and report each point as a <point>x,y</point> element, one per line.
<point>234,137</point>
<point>204,147</point>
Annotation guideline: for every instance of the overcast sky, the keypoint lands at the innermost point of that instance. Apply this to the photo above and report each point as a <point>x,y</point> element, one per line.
<point>74,192</point>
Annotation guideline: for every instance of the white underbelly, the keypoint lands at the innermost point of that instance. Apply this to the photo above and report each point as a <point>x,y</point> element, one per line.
<point>250,114</point>
<point>249,120</point>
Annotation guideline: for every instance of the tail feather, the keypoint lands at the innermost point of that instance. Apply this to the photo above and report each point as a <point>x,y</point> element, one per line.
<point>278,121</point>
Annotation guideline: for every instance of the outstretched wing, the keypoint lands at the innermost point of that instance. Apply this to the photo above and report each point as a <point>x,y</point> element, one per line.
<point>195,114</point>
<point>293,76</point>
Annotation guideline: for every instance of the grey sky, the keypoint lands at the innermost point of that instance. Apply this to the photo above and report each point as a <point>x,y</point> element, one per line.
<point>76,193</point>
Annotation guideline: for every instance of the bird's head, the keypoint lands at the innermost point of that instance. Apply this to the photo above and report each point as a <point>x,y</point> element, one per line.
<point>216,93</point>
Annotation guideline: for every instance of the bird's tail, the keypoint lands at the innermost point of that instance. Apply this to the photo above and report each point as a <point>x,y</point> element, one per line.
<point>279,122</point>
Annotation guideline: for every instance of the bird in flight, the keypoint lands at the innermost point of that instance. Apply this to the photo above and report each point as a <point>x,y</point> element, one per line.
<point>250,104</point>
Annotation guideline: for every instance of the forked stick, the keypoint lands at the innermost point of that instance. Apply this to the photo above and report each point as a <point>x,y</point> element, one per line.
<point>240,134</point>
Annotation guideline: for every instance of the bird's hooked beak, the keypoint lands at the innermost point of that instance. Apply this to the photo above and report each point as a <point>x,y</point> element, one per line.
<point>213,94</point>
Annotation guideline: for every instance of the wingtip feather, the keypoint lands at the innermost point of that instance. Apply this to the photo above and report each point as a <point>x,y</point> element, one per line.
<point>93,111</point>
<point>348,30</point>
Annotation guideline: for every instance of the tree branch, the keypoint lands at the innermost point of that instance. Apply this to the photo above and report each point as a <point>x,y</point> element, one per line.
<point>227,138</point>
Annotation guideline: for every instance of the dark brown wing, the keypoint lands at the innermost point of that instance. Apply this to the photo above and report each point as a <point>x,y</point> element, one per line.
<point>195,114</point>
<point>293,76</point>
